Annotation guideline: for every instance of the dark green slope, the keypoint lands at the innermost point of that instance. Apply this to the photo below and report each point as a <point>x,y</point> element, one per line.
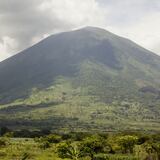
<point>85,78</point>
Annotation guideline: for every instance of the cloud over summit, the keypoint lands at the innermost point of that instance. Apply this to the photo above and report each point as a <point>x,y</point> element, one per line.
<point>24,23</point>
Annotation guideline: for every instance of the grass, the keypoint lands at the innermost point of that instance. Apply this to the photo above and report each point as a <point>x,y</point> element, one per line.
<point>17,148</point>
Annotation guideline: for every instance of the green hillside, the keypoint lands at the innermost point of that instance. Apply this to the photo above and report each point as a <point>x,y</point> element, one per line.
<point>88,79</point>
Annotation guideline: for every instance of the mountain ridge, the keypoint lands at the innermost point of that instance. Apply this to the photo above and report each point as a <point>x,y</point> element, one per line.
<point>96,77</point>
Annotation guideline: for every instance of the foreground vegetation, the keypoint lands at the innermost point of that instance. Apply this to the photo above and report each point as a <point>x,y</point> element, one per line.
<point>79,146</point>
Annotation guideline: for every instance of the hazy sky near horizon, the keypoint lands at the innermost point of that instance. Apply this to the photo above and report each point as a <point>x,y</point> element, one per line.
<point>24,23</point>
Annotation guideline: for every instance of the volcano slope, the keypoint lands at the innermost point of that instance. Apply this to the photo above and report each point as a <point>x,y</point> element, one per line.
<point>87,79</point>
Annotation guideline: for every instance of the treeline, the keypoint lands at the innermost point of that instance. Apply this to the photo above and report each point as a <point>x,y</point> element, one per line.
<point>23,133</point>
<point>103,146</point>
<point>92,146</point>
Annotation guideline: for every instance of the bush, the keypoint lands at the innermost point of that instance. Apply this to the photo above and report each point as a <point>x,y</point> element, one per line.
<point>101,157</point>
<point>121,157</point>
<point>2,154</point>
<point>127,143</point>
<point>25,156</point>
<point>148,151</point>
<point>45,145</point>
<point>53,138</point>
<point>3,142</point>
<point>45,142</point>
<point>69,150</point>
<point>4,130</point>
<point>92,145</point>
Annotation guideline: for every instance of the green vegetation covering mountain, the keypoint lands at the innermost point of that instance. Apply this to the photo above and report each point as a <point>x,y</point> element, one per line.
<point>87,79</point>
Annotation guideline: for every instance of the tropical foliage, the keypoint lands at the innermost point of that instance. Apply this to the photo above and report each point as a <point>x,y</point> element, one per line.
<point>82,146</point>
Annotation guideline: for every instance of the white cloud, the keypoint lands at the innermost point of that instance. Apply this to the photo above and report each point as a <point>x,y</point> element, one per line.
<point>75,13</point>
<point>146,32</point>
<point>45,17</point>
<point>24,23</point>
<point>7,45</point>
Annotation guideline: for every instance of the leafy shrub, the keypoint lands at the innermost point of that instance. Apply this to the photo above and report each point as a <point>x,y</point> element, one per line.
<point>25,156</point>
<point>53,138</point>
<point>148,151</point>
<point>121,157</point>
<point>3,142</point>
<point>92,145</point>
<point>101,157</point>
<point>2,154</point>
<point>127,143</point>
<point>68,150</point>
<point>44,145</point>
<point>45,142</point>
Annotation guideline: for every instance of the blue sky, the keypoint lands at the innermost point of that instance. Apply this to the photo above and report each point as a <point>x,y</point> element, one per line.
<point>24,23</point>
